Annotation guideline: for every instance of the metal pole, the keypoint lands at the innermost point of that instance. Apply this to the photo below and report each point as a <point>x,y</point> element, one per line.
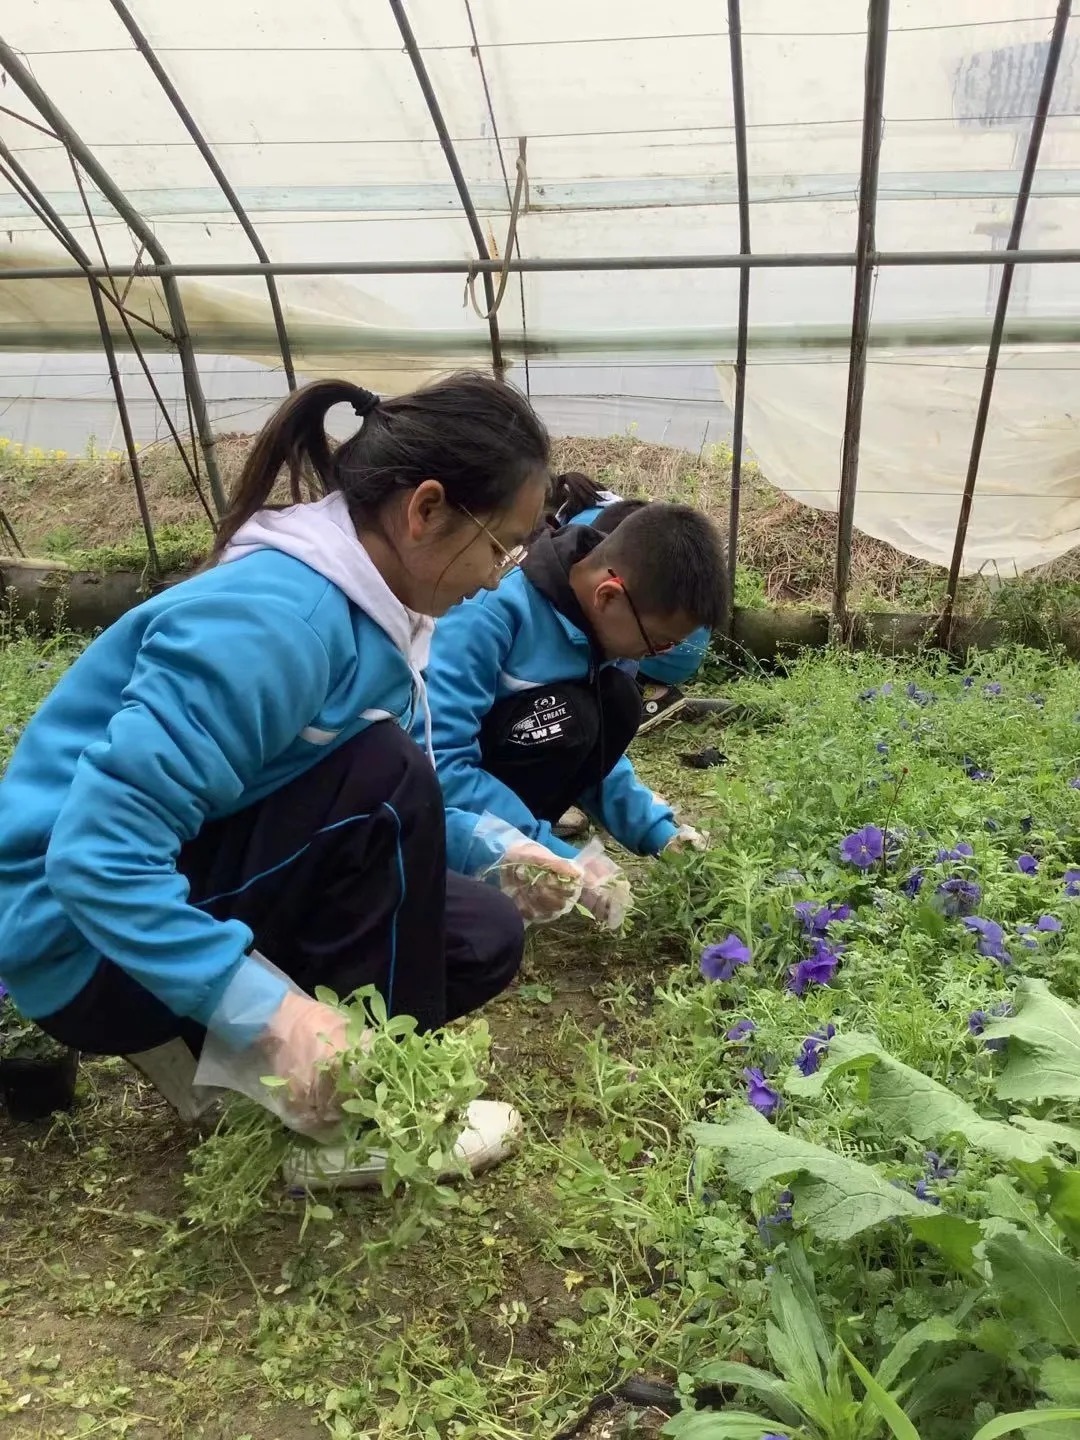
<point>188,120</point>
<point>1027,176</point>
<point>877,40</point>
<point>13,65</point>
<point>560,265</point>
<point>68,240</point>
<point>742,172</point>
<point>467,205</point>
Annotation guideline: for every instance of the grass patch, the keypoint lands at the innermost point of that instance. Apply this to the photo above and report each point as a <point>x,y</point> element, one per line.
<point>615,1244</point>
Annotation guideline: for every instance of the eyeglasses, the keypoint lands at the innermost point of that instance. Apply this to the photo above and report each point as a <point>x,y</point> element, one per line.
<point>649,646</point>
<point>506,559</point>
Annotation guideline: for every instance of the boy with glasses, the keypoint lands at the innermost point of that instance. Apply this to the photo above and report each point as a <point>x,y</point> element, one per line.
<point>531,710</point>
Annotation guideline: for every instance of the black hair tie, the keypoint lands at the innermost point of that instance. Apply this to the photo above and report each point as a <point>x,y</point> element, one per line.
<point>366,401</point>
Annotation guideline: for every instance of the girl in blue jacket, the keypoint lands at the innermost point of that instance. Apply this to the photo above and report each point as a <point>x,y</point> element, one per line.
<point>225,777</point>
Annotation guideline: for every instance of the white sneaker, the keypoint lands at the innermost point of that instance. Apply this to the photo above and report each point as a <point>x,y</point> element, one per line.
<point>491,1133</point>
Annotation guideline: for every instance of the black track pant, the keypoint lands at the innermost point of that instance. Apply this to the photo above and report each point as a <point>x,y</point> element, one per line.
<point>553,745</point>
<point>341,875</point>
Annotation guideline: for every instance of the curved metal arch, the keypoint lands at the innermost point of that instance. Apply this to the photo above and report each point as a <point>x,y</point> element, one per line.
<point>43,104</point>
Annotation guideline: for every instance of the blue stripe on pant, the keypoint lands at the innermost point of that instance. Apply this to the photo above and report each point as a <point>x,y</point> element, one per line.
<point>341,875</point>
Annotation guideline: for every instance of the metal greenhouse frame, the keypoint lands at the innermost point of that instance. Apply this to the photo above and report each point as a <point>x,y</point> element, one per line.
<point>106,280</point>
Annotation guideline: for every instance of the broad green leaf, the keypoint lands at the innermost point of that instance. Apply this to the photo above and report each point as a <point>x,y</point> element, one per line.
<point>1022,1420</point>
<point>1065,1202</point>
<point>907,1102</point>
<point>1038,1284</point>
<point>772,1391</point>
<point>941,1390</point>
<point>1060,1379</point>
<point>718,1425</point>
<point>789,1342</point>
<point>836,1197</point>
<point>952,1237</point>
<point>798,1270</point>
<point>882,1401</point>
<point>1043,1058</point>
<point>1052,1131</point>
<point>930,1332</point>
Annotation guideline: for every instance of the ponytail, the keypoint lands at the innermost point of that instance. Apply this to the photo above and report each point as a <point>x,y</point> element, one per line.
<point>572,493</point>
<point>295,439</point>
<point>479,437</point>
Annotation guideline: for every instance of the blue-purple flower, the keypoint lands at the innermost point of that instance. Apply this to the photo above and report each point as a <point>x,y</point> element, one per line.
<point>974,771</point>
<point>740,1030</point>
<point>959,897</point>
<point>780,1217</point>
<point>759,1093</point>
<point>1074,783</point>
<point>818,968</point>
<point>1072,883</point>
<point>991,941</point>
<point>962,851</point>
<point>864,847</point>
<point>812,1049</point>
<point>1027,864</point>
<point>923,1193</point>
<point>920,697</point>
<point>913,884</point>
<point>993,688</point>
<point>718,962</point>
<point>936,1168</point>
<point>1048,924</point>
<point>816,918</point>
<point>979,1019</point>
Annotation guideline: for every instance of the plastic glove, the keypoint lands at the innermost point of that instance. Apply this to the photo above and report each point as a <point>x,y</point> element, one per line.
<point>541,884</point>
<point>300,1046</point>
<point>264,1026</point>
<point>686,838</point>
<point>605,890</point>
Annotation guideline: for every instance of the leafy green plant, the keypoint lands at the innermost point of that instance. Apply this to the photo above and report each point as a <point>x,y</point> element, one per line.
<point>402,1094</point>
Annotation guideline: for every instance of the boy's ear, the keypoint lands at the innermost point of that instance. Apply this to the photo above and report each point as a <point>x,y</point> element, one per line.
<point>605,592</point>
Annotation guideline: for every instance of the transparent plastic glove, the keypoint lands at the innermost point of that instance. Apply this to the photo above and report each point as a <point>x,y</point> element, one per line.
<point>686,838</point>
<point>541,884</point>
<point>265,1027</point>
<point>605,890</point>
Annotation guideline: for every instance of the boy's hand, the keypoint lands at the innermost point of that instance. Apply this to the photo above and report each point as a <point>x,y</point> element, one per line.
<point>606,891</point>
<point>541,884</point>
<point>686,838</point>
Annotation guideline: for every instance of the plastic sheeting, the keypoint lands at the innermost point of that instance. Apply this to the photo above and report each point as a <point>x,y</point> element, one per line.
<point>318,120</point>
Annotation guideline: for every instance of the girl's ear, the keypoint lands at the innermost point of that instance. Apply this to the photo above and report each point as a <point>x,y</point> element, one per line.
<point>426,509</point>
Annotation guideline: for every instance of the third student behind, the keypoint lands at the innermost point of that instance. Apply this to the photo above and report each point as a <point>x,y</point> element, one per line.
<point>531,712</point>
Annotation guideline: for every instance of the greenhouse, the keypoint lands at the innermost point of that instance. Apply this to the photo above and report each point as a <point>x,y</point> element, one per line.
<point>540,756</point>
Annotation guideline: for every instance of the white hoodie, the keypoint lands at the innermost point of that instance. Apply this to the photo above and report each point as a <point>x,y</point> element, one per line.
<point>323,536</point>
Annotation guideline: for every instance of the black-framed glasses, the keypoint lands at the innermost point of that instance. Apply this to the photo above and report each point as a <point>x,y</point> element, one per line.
<point>507,559</point>
<point>649,646</point>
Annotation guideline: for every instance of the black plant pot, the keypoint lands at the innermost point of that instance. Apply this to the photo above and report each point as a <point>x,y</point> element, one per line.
<point>34,1086</point>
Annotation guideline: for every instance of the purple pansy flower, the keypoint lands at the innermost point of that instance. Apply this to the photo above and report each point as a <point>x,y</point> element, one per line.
<point>968,681</point>
<point>978,1020</point>
<point>759,1093</point>
<point>913,884</point>
<point>991,938</point>
<point>959,897</point>
<point>718,962</point>
<point>1072,883</point>
<point>1074,783</point>
<point>780,1217</point>
<point>974,771</point>
<point>1027,864</point>
<point>1026,824</point>
<point>812,1049</point>
<point>993,688</point>
<point>1048,924</point>
<point>863,847</point>
<point>817,969</point>
<point>936,1168</point>
<point>816,918</point>
<point>922,1193</point>
<point>961,851</point>
<point>740,1030</point>
<point>920,697</point>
